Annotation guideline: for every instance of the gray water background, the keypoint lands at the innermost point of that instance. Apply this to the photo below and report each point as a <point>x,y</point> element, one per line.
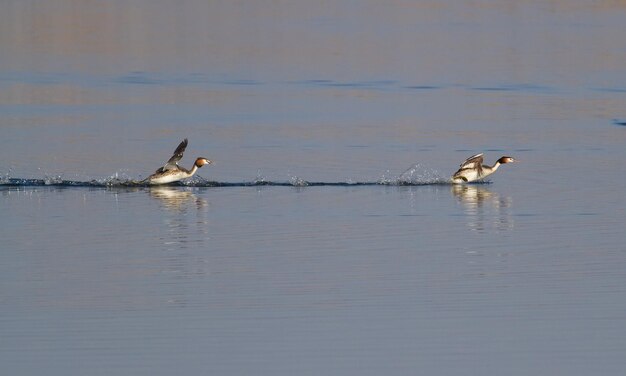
<point>525,275</point>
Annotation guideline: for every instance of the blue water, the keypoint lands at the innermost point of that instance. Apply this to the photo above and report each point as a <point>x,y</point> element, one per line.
<point>325,238</point>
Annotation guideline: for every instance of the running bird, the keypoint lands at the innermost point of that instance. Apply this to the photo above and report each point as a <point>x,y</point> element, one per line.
<point>473,169</point>
<point>172,172</point>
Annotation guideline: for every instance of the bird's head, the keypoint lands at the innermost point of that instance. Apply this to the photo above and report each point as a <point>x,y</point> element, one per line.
<point>202,161</point>
<point>506,159</point>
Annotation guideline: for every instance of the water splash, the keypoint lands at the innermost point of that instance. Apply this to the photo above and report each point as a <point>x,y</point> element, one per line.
<point>196,181</point>
<point>298,182</point>
<point>387,180</point>
<point>260,178</point>
<point>420,174</point>
<point>417,174</point>
<point>4,179</point>
<point>117,179</point>
<point>53,180</point>
<point>414,176</point>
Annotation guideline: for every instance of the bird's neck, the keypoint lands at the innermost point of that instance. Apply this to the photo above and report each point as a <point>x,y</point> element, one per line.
<point>193,170</point>
<point>495,166</point>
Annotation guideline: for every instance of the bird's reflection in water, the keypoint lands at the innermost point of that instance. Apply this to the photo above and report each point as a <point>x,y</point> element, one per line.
<point>184,236</point>
<point>484,209</point>
<point>185,216</point>
<point>177,199</point>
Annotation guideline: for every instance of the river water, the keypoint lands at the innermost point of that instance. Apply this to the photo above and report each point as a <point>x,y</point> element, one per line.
<point>324,238</point>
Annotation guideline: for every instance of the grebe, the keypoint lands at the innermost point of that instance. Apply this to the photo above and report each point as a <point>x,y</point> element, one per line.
<point>172,172</point>
<point>473,169</point>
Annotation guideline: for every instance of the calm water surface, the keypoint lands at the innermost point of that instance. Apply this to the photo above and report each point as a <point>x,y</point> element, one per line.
<point>521,276</point>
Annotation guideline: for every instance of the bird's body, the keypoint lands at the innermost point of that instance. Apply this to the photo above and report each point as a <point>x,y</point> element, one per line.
<point>172,172</point>
<point>473,169</point>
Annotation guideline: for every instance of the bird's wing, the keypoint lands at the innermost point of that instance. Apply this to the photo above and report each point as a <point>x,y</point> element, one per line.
<point>178,155</point>
<point>475,161</point>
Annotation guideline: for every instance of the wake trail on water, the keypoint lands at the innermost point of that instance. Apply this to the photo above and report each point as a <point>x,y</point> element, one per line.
<point>416,175</point>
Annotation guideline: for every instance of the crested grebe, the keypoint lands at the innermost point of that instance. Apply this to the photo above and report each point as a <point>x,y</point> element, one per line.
<point>473,169</point>
<point>172,172</point>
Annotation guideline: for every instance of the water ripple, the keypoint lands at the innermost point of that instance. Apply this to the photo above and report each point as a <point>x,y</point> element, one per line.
<point>404,180</point>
